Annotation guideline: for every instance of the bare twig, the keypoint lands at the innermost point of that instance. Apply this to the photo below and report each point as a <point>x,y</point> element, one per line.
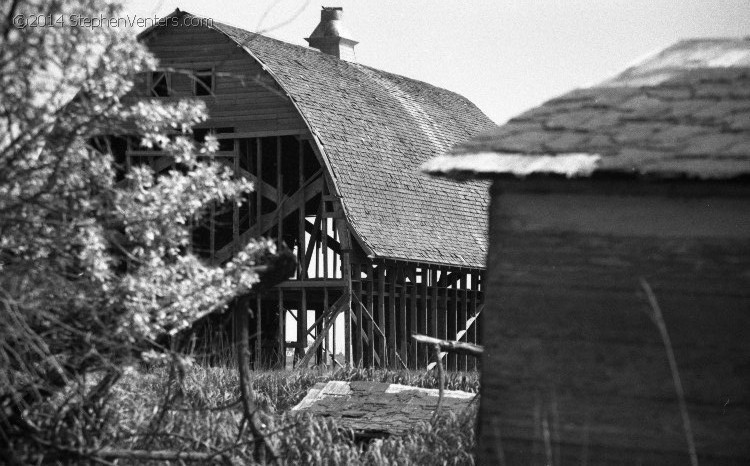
<point>262,444</point>
<point>658,319</point>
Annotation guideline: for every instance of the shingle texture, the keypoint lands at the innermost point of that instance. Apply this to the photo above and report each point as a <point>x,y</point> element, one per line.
<point>375,408</point>
<point>684,112</point>
<point>376,129</point>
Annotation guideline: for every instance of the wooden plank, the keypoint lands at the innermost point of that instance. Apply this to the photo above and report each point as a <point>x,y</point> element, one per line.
<point>402,306</point>
<point>328,360</point>
<point>462,319</point>
<point>346,273</point>
<point>413,356</point>
<point>301,253</point>
<point>370,356</point>
<point>358,333</point>
<point>391,326</point>
<point>381,314</point>
<point>313,283</point>
<point>424,309</point>
<point>451,346</point>
<point>302,323</point>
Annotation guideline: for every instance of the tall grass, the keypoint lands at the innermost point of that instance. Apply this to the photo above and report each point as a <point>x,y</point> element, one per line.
<point>200,414</point>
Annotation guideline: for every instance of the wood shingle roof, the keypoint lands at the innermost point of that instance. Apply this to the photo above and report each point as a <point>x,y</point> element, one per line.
<point>374,130</point>
<point>684,112</point>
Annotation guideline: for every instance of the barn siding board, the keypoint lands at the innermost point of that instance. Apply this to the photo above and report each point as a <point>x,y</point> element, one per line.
<point>567,329</point>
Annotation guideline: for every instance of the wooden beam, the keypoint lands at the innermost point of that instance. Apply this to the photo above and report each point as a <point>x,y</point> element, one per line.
<point>402,321</point>
<point>267,221</point>
<point>381,314</point>
<point>312,283</point>
<point>346,273</point>
<point>393,351</point>
<point>413,360</point>
<point>371,353</point>
<point>457,347</point>
<point>358,334</point>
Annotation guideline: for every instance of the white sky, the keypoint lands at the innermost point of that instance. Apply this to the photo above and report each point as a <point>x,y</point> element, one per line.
<point>504,55</point>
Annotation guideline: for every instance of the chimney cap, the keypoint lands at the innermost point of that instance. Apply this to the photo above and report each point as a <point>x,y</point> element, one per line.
<point>330,25</point>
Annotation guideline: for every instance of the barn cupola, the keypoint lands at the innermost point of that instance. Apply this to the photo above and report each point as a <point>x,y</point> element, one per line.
<point>330,36</point>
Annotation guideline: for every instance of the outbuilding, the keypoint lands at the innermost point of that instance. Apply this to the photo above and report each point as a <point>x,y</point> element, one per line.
<point>617,322</point>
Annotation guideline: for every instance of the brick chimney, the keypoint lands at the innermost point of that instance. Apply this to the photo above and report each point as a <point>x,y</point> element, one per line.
<point>330,36</point>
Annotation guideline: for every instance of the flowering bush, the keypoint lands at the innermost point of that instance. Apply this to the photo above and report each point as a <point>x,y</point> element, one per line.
<point>93,269</point>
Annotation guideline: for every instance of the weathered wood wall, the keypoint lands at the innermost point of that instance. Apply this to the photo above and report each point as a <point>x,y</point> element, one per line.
<point>245,97</point>
<point>575,369</point>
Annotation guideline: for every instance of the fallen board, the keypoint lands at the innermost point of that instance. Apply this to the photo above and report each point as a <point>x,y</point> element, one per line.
<point>376,409</point>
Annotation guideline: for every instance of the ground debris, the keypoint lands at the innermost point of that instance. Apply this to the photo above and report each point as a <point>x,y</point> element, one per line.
<point>375,409</point>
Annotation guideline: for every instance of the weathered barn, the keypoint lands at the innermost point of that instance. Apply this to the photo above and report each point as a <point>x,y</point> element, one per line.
<point>334,148</point>
<point>642,177</point>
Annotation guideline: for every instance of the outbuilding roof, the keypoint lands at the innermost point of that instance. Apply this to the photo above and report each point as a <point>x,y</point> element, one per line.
<point>683,112</point>
<point>374,130</point>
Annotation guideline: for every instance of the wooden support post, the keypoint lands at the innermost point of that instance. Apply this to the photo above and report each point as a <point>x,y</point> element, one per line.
<point>434,304</point>
<point>402,318</point>
<point>302,324</point>
<point>452,322</point>
<point>463,317</point>
<point>301,228</point>
<point>413,327</point>
<point>422,353</point>
<point>370,356</point>
<point>358,347</point>
<point>381,315</point>
<point>346,274</point>
<point>392,350</point>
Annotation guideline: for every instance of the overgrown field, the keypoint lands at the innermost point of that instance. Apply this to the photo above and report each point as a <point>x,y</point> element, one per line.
<point>201,413</point>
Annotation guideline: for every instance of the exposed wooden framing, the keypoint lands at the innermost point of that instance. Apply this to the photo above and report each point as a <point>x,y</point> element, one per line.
<point>392,299</point>
<point>332,313</point>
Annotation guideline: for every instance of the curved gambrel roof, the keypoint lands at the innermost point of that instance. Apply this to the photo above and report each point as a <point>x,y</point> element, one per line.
<point>374,130</point>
